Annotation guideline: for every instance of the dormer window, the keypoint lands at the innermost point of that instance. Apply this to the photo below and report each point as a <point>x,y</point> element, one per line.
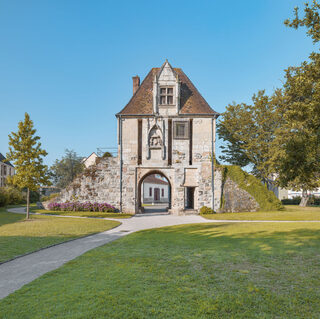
<point>166,96</point>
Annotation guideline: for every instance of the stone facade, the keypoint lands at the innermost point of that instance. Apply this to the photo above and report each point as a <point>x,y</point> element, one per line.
<point>6,169</point>
<point>167,128</point>
<point>98,183</point>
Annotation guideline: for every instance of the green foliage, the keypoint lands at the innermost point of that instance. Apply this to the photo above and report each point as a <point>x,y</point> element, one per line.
<point>27,156</point>
<point>280,135</point>
<point>10,195</point>
<point>204,210</point>
<point>266,199</point>
<point>311,20</point>
<point>34,196</point>
<point>3,198</point>
<point>14,196</point>
<point>50,197</point>
<point>248,131</point>
<point>291,201</point>
<point>313,201</point>
<point>107,154</point>
<point>64,171</point>
<point>296,147</point>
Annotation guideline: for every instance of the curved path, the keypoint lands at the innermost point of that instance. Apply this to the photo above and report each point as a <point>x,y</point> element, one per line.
<point>16,273</point>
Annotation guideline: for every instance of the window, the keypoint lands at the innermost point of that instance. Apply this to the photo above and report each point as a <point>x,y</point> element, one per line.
<point>150,191</point>
<point>181,130</point>
<point>5,170</point>
<point>162,192</point>
<point>166,96</point>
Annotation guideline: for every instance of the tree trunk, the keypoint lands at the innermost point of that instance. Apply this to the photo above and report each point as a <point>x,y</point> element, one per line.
<point>28,202</point>
<point>304,199</point>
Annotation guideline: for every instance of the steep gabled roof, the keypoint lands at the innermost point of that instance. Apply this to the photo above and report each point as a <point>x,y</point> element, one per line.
<point>191,101</point>
<point>3,160</point>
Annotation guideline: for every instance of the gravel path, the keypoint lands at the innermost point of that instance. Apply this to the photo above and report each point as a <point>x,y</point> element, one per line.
<point>22,270</point>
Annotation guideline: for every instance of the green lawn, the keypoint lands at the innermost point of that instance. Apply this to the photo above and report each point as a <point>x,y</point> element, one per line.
<point>248,270</point>
<point>83,214</point>
<point>19,236</point>
<point>294,213</point>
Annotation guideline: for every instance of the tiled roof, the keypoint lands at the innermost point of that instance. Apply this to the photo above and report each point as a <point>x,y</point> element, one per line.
<point>2,159</point>
<point>154,180</point>
<point>191,101</point>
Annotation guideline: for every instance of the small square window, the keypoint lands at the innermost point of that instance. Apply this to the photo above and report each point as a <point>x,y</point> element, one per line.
<point>166,96</point>
<point>181,130</point>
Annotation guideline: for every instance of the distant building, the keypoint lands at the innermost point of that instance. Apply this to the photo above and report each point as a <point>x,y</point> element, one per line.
<point>292,193</point>
<point>6,169</point>
<point>155,190</point>
<point>90,160</point>
<point>48,190</point>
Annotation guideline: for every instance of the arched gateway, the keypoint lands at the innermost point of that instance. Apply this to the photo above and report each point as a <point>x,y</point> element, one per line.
<point>154,188</point>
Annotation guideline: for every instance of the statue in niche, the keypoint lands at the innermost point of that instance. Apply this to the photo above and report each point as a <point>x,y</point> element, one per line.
<point>155,140</point>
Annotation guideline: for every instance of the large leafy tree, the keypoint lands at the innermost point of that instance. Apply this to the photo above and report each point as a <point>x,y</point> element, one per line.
<point>249,130</point>
<point>26,154</point>
<point>296,148</point>
<point>64,170</point>
<point>290,145</point>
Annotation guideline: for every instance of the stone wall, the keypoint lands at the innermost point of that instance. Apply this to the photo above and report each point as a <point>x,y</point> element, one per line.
<point>101,183</point>
<point>235,199</point>
<point>98,183</point>
<point>230,198</point>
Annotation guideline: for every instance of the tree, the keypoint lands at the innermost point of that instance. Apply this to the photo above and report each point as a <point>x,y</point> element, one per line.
<point>281,134</point>
<point>311,20</point>
<point>249,131</point>
<point>107,154</point>
<point>296,147</point>
<point>65,170</point>
<point>27,156</point>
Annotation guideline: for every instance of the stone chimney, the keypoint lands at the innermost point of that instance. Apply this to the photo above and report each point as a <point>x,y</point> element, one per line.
<point>136,83</point>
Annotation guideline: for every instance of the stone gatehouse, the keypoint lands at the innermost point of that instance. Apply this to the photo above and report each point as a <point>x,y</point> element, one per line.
<point>167,128</point>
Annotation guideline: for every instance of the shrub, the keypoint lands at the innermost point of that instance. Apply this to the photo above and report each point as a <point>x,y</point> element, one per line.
<point>10,195</point>
<point>291,201</point>
<point>3,198</point>
<point>204,210</point>
<point>313,201</point>
<point>82,207</point>
<point>50,197</point>
<point>14,196</point>
<point>266,199</point>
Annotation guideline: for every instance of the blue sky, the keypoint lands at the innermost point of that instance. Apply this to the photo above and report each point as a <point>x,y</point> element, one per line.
<point>69,63</point>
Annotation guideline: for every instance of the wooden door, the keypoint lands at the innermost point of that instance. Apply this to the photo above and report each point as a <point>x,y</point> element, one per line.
<point>156,194</point>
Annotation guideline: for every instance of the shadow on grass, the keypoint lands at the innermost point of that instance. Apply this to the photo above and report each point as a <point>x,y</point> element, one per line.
<point>267,238</point>
<point>9,218</point>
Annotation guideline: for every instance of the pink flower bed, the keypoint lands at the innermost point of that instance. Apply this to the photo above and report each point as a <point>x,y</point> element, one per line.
<point>82,207</point>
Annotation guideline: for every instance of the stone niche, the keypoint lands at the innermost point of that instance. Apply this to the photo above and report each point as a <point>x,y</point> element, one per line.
<point>155,140</point>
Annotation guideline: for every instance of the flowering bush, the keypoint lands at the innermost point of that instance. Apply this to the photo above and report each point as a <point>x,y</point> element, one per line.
<point>82,207</point>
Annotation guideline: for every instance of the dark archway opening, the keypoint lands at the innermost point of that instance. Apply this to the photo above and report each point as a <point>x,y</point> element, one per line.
<point>154,193</point>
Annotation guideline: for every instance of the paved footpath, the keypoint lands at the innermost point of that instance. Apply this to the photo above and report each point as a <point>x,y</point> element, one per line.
<point>22,270</point>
